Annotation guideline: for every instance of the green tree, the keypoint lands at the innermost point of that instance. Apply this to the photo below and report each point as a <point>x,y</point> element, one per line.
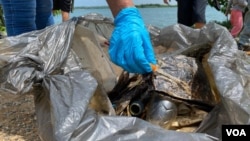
<point>221,3</point>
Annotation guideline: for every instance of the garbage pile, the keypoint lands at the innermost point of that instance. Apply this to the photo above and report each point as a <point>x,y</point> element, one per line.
<point>201,83</point>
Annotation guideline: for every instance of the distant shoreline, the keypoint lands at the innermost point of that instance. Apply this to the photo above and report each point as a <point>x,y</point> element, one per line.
<point>138,6</point>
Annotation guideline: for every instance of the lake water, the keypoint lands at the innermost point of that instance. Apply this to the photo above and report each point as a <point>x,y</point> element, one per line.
<point>159,17</point>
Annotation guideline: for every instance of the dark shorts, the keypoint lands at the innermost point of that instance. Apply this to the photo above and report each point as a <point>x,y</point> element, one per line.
<point>64,5</point>
<point>191,11</point>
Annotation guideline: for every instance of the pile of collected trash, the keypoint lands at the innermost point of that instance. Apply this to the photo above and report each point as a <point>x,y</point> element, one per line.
<point>201,83</point>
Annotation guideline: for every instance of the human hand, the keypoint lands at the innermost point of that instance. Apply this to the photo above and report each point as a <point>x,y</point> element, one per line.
<point>130,44</point>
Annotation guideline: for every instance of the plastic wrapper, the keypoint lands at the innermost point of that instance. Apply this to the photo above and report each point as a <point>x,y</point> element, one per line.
<point>69,73</point>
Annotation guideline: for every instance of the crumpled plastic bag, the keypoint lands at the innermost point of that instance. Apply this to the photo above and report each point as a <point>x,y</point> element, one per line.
<point>229,69</point>
<point>45,64</point>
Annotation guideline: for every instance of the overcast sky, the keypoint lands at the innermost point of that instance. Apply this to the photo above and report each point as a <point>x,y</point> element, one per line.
<point>103,2</point>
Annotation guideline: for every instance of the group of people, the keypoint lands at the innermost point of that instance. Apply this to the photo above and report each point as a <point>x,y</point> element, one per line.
<point>130,45</point>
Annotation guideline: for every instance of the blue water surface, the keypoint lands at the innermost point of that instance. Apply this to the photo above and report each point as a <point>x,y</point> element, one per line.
<point>159,17</point>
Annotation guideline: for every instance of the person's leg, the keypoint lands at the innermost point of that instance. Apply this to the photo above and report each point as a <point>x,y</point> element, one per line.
<point>44,14</point>
<point>19,16</point>
<point>65,9</point>
<point>184,12</point>
<point>65,16</point>
<point>199,10</point>
<point>244,37</point>
<point>236,22</point>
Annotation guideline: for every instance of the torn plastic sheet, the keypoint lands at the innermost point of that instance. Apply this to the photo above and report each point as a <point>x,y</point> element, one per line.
<point>45,64</point>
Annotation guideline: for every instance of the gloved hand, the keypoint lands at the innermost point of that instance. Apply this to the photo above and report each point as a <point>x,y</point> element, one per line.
<point>130,44</point>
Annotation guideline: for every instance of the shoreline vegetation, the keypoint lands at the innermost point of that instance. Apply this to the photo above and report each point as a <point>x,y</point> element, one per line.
<point>138,6</point>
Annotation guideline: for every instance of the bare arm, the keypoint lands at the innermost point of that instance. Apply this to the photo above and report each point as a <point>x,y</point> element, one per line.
<point>116,5</point>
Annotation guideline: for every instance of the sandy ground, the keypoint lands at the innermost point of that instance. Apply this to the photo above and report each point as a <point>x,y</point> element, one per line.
<point>18,119</point>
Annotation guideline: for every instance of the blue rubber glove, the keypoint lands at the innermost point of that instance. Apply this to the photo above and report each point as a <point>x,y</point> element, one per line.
<point>130,44</point>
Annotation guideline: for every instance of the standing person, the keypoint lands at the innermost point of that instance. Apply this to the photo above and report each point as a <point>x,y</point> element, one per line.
<point>244,37</point>
<point>236,9</point>
<point>26,15</point>
<point>191,12</point>
<point>66,6</point>
<point>130,44</point>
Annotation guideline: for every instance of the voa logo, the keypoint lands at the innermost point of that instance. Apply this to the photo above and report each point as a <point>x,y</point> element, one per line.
<point>236,132</point>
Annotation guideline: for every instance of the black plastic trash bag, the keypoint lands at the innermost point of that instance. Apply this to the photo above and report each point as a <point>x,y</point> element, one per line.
<point>69,73</point>
<point>229,69</point>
